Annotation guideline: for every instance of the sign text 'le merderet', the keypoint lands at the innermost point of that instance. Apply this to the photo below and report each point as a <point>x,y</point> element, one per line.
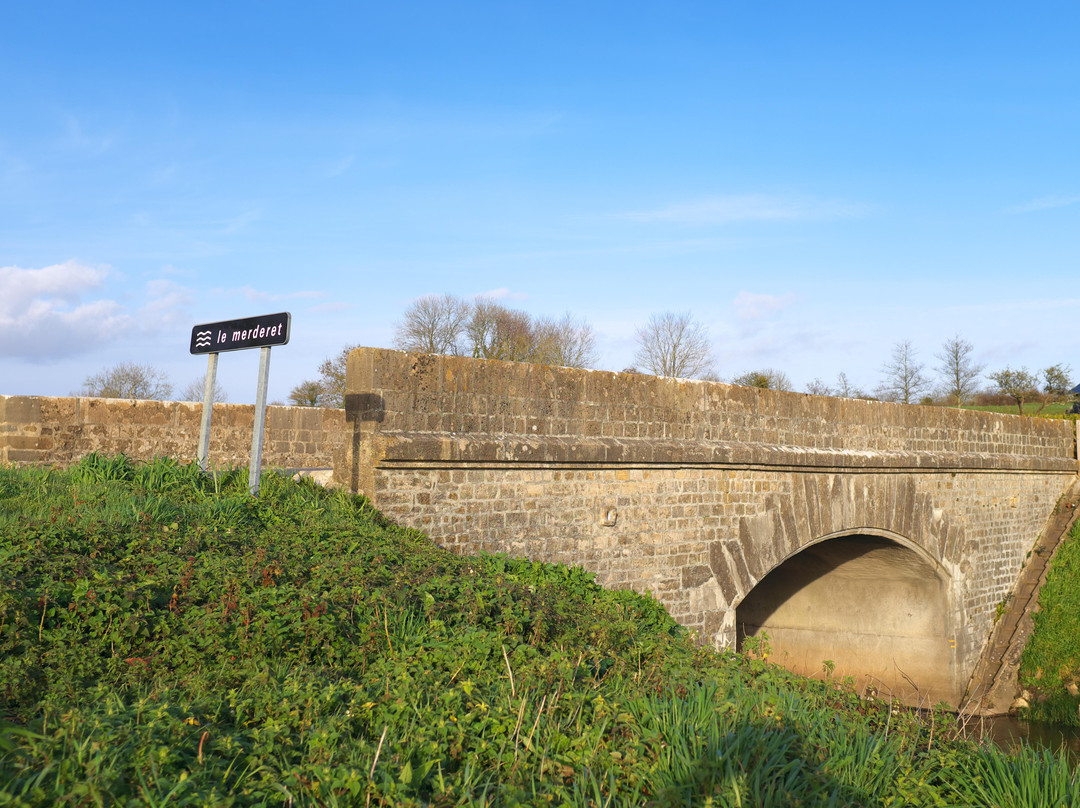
<point>234,335</point>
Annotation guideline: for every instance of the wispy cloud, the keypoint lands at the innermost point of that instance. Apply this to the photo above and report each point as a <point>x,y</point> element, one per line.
<point>331,308</point>
<point>254,295</point>
<point>168,304</point>
<point>237,223</point>
<point>76,137</point>
<point>43,316</point>
<point>1046,203</point>
<point>750,208</point>
<point>503,293</point>
<point>750,306</point>
<point>341,166</point>
<point>162,175</point>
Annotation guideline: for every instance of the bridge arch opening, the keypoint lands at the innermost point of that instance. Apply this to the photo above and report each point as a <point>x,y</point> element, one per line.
<point>874,607</point>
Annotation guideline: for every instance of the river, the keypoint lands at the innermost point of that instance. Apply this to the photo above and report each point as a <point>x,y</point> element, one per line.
<point>1007,731</point>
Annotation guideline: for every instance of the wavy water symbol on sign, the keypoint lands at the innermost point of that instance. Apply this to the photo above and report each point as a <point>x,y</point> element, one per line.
<point>202,339</point>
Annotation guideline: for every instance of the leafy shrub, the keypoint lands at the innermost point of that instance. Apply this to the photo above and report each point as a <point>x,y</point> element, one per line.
<point>167,639</point>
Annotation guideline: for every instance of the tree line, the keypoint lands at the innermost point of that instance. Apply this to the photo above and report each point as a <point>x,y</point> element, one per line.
<point>670,344</point>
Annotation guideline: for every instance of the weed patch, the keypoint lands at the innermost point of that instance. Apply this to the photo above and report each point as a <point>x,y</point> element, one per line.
<point>166,639</point>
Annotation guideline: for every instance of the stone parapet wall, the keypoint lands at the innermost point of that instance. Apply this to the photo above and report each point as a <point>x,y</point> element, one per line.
<point>457,409</point>
<point>58,431</point>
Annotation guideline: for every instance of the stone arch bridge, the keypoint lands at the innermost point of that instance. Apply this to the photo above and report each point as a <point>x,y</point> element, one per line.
<point>881,537</point>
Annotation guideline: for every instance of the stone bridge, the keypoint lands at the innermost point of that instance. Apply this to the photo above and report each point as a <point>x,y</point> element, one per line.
<point>881,537</point>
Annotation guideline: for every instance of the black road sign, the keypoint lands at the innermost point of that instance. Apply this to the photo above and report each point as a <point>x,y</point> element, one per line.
<point>234,335</point>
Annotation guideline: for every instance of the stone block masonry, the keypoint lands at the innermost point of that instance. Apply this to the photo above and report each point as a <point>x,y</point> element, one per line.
<point>58,431</point>
<point>697,491</point>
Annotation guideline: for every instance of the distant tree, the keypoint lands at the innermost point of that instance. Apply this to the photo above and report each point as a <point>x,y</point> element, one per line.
<point>195,389</point>
<point>674,344</point>
<point>433,324</point>
<point>1056,383</point>
<point>958,370</point>
<point>332,378</point>
<point>306,394</point>
<point>486,329</point>
<point>765,378</point>
<point>903,379</point>
<point>1022,386</point>
<point>1019,385</point>
<point>845,388</point>
<point>495,331</point>
<point>128,380</point>
<point>567,342</point>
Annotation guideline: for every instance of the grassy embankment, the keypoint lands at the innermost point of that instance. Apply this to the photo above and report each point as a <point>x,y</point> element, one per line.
<point>165,639</point>
<point>1050,666</point>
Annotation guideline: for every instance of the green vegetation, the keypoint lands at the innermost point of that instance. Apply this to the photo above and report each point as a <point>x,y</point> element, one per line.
<point>1056,410</point>
<point>165,639</point>
<point>1050,666</point>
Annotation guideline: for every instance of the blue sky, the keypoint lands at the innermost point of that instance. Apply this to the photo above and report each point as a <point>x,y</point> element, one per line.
<point>814,182</point>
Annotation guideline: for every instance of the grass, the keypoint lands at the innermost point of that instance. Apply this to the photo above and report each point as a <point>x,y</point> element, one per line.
<point>1058,410</point>
<point>1051,660</point>
<point>165,639</point>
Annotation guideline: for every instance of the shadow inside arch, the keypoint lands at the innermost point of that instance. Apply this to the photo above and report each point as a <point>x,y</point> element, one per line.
<point>861,605</point>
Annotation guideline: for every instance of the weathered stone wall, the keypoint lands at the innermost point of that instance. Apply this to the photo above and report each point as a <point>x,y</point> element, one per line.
<point>60,430</point>
<point>695,491</point>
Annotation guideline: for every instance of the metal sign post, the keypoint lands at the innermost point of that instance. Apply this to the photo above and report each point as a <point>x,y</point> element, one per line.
<point>235,335</point>
<point>260,421</point>
<point>207,409</point>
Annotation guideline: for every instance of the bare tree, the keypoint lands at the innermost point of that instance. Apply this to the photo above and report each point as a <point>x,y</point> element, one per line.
<point>765,378</point>
<point>845,388</point>
<point>128,380</point>
<point>306,394</point>
<point>903,381</point>
<point>958,370</point>
<point>486,329</point>
<point>673,344</point>
<point>495,331</point>
<point>567,342</point>
<point>196,388</point>
<point>433,324</point>
<point>1019,385</point>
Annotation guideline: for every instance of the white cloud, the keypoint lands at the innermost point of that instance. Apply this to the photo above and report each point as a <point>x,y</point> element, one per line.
<point>1046,203</point>
<point>43,316</point>
<point>749,208</point>
<point>750,306</point>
